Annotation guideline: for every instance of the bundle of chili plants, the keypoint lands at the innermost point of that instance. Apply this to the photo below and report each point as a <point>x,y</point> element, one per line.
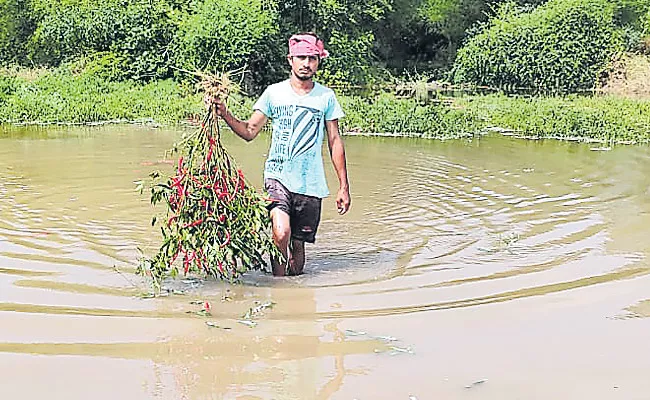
<point>216,222</point>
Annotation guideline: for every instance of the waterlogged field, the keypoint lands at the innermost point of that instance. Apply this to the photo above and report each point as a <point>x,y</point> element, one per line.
<point>486,269</point>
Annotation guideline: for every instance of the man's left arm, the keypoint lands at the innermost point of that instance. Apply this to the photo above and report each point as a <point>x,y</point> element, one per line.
<point>337,152</point>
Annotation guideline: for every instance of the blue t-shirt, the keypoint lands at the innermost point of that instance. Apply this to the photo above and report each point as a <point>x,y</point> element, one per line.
<point>295,158</point>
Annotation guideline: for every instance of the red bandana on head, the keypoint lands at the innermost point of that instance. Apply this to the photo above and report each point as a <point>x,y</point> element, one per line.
<point>307,45</point>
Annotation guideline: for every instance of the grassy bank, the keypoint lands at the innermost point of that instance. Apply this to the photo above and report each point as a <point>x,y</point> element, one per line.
<point>61,97</point>
<point>598,118</point>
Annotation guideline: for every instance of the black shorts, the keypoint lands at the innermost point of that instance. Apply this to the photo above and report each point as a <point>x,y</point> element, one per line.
<point>304,211</point>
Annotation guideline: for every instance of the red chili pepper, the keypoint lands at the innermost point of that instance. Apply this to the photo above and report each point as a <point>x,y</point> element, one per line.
<point>186,263</point>
<point>222,218</point>
<point>171,219</point>
<point>193,224</point>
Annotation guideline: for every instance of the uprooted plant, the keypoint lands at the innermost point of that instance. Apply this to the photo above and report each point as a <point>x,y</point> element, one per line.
<point>216,222</point>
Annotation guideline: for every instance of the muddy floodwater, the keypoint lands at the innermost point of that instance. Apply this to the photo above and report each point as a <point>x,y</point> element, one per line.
<point>494,268</point>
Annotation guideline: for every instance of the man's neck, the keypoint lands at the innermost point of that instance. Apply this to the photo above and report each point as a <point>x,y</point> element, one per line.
<point>299,86</point>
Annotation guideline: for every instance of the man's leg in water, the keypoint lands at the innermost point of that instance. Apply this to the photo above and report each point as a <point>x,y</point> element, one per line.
<point>281,236</point>
<point>297,257</point>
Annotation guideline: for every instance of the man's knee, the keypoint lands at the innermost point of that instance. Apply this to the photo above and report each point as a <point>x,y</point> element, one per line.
<point>281,234</point>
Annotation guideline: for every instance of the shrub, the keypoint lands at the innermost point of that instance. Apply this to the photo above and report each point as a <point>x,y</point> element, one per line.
<point>137,31</point>
<point>560,46</point>
<point>8,85</point>
<point>16,26</point>
<point>387,114</point>
<point>221,35</point>
<point>606,119</point>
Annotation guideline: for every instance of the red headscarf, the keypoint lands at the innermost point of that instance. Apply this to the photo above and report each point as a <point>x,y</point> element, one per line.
<point>307,45</point>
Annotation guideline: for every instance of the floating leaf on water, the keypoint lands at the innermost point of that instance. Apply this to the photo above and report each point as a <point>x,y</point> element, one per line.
<point>476,383</point>
<point>201,313</point>
<point>350,332</point>
<point>226,297</point>
<point>196,302</point>
<point>385,338</point>
<point>248,323</point>
<point>396,350</point>
<point>213,325</point>
<point>258,309</point>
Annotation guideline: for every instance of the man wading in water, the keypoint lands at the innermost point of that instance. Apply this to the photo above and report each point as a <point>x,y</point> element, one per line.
<point>301,111</point>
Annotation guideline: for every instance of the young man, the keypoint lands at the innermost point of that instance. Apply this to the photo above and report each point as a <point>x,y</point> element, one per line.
<point>302,111</point>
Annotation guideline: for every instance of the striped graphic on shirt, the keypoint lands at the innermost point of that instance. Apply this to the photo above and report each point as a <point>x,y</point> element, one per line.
<point>306,127</point>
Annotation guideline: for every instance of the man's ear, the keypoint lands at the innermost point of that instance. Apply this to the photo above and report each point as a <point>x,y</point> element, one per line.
<point>289,59</point>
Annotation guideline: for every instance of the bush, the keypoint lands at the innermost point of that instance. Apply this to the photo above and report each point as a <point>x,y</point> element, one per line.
<point>137,31</point>
<point>222,35</point>
<point>16,26</point>
<point>387,114</point>
<point>8,85</point>
<point>605,119</point>
<point>561,46</point>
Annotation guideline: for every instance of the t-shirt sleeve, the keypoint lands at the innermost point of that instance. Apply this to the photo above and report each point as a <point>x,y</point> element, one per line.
<point>334,110</point>
<point>263,104</point>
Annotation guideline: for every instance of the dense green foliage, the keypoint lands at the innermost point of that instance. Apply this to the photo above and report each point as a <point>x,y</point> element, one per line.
<point>132,35</point>
<point>61,97</point>
<point>561,46</point>
<point>386,114</point>
<point>556,45</point>
<point>222,35</point>
<point>119,59</point>
<point>16,27</point>
<point>607,119</point>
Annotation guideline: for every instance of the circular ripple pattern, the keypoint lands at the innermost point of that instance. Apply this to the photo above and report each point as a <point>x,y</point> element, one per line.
<point>433,226</point>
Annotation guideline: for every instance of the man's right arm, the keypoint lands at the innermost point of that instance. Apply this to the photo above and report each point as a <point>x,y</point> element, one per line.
<point>246,130</point>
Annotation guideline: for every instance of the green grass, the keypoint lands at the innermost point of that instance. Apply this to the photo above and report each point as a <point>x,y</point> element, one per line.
<point>597,118</point>
<point>61,97</point>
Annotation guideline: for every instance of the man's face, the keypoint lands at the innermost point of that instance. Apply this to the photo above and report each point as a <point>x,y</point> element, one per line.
<point>304,67</point>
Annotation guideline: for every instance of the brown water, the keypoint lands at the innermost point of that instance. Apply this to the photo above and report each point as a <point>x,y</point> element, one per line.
<point>485,269</point>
